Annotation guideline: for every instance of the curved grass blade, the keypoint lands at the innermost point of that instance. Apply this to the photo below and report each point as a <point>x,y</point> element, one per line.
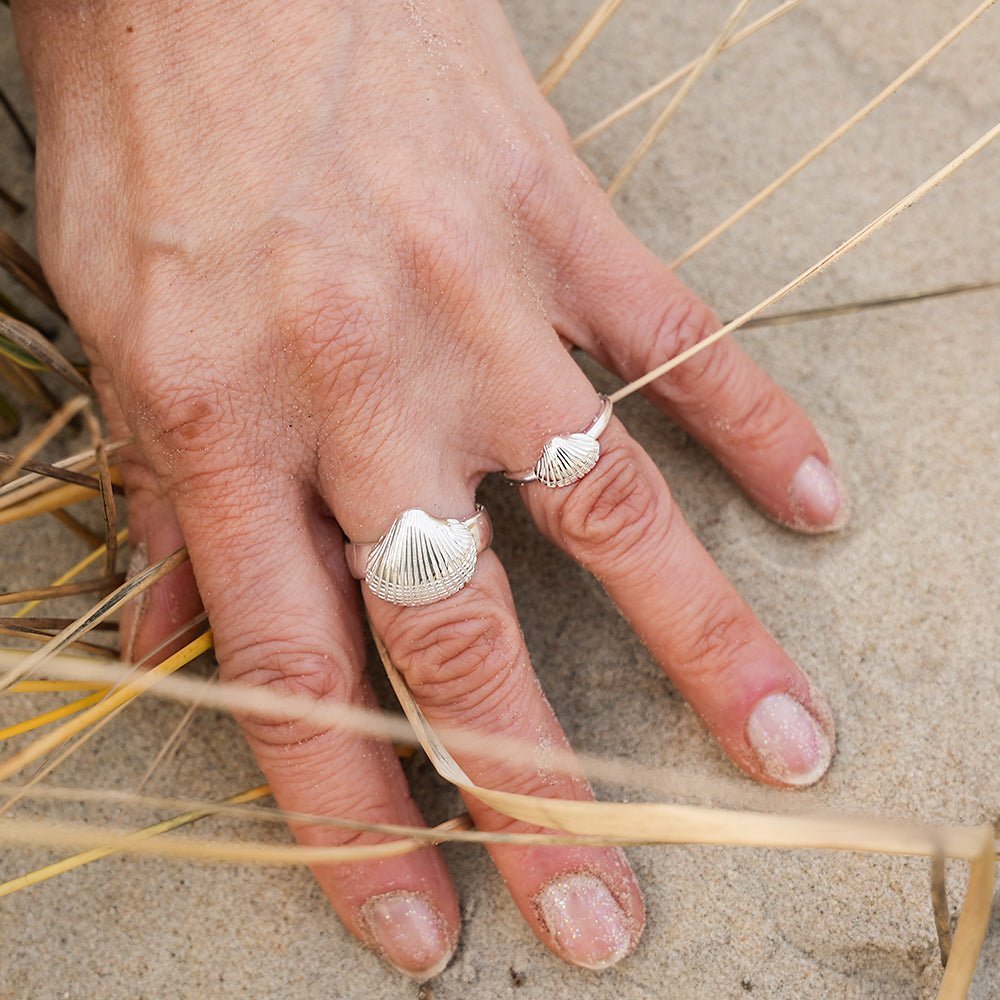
<point>26,346</point>
<point>23,268</point>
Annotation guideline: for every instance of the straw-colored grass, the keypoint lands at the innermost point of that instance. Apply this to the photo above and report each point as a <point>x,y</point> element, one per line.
<point>101,688</point>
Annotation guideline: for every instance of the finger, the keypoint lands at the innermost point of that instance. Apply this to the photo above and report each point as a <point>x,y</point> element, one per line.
<point>620,522</point>
<point>270,569</point>
<point>162,610</point>
<point>720,396</point>
<point>464,661</point>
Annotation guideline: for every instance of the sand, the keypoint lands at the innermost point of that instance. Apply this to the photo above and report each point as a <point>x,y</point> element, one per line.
<point>895,617</point>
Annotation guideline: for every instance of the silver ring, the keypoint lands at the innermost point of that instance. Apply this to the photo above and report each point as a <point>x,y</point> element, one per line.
<point>421,558</point>
<point>567,458</point>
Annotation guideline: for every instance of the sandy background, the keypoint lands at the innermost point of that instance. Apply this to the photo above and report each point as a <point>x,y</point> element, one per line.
<point>896,617</point>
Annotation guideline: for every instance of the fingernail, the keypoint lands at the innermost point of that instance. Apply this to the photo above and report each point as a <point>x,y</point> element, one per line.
<point>789,742</point>
<point>816,495</point>
<point>408,932</point>
<point>588,925</point>
<point>138,561</point>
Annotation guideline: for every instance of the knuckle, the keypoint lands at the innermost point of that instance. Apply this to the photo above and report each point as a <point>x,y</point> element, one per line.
<point>284,671</point>
<point>461,657</point>
<point>759,422</point>
<point>677,322</point>
<point>714,634</point>
<point>614,511</point>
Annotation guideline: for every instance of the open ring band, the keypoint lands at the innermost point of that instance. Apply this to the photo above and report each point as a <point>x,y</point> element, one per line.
<point>421,559</point>
<point>569,457</point>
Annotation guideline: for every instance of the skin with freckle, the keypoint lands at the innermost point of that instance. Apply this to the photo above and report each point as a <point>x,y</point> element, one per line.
<point>324,259</point>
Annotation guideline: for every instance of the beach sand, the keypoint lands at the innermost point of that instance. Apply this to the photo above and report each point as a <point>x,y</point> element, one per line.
<point>895,617</point>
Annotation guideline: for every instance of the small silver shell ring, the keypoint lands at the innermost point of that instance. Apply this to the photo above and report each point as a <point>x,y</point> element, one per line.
<point>421,559</point>
<point>569,457</point>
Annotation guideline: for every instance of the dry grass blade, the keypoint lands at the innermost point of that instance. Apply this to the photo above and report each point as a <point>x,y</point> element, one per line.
<point>668,81</point>
<point>60,590</point>
<point>18,121</point>
<point>51,471</point>
<point>21,266</point>
<point>98,613</point>
<point>78,860</point>
<point>858,116</point>
<point>647,141</point>
<point>20,341</point>
<point>38,635</point>
<point>53,715</point>
<point>848,308</point>
<point>112,701</point>
<point>56,687</point>
<point>939,903</point>
<point>48,499</point>
<point>67,520</point>
<point>578,44</point>
<point>856,240</point>
<point>649,822</point>
<point>77,740</point>
<point>107,492</point>
<point>49,834</point>
<point>33,483</point>
<point>45,434</point>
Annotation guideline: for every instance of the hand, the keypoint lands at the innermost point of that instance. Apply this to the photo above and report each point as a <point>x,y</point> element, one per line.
<point>321,257</point>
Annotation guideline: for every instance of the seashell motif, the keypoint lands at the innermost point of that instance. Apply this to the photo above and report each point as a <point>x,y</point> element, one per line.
<point>566,459</point>
<point>421,559</point>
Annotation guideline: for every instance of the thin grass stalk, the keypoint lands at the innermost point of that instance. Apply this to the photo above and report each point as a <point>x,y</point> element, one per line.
<point>51,471</point>
<point>49,499</point>
<point>656,130</point>
<point>23,268</point>
<point>34,482</point>
<point>43,436</point>
<point>38,635</point>
<point>53,715</point>
<point>80,530</point>
<point>668,81</point>
<point>107,492</point>
<point>18,122</point>
<point>23,344</point>
<point>70,746</point>
<point>98,613</point>
<point>841,130</point>
<point>70,574</point>
<point>120,696</point>
<point>578,44</point>
<point>97,853</point>
<point>939,904</point>
<point>63,590</point>
<point>849,244</point>
<point>849,308</point>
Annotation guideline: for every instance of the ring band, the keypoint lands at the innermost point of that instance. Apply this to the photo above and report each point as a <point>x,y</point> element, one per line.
<point>567,458</point>
<point>421,559</point>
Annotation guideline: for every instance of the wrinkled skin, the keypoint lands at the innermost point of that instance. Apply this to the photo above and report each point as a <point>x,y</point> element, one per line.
<point>321,257</point>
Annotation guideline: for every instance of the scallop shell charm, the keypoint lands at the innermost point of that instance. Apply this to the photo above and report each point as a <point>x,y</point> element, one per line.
<point>567,458</point>
<point>421,559</point>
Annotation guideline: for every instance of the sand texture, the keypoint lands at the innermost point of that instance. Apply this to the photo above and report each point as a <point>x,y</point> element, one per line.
<point>895,617</point>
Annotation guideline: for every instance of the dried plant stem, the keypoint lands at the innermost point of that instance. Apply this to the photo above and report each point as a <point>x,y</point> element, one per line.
<point>858,238</point>
<point>78,860</point>
<point>34,482</point>
<point>21,266</point>
<point>56,687</point>
<point>45,502</point>
<point>80,530</point>
<point>647,141</point>
<point>939,903</point>
<point>98,613</point>
<point>578,44</point>
<point>120,696</point>
<point>45,434</point>
<point>107,492</point>
<point>54,715</point>
<point>27,383</point>
<point>37,635</point>
<point>849,308</point>
<point>858,116</point>
<point>18,121</point>
<point>667,82</point>
<point>60,590</point>
<point>70,574</point>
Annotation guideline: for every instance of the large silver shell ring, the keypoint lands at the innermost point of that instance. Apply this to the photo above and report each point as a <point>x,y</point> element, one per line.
<point>421,559</point>
<point>569,457</point>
